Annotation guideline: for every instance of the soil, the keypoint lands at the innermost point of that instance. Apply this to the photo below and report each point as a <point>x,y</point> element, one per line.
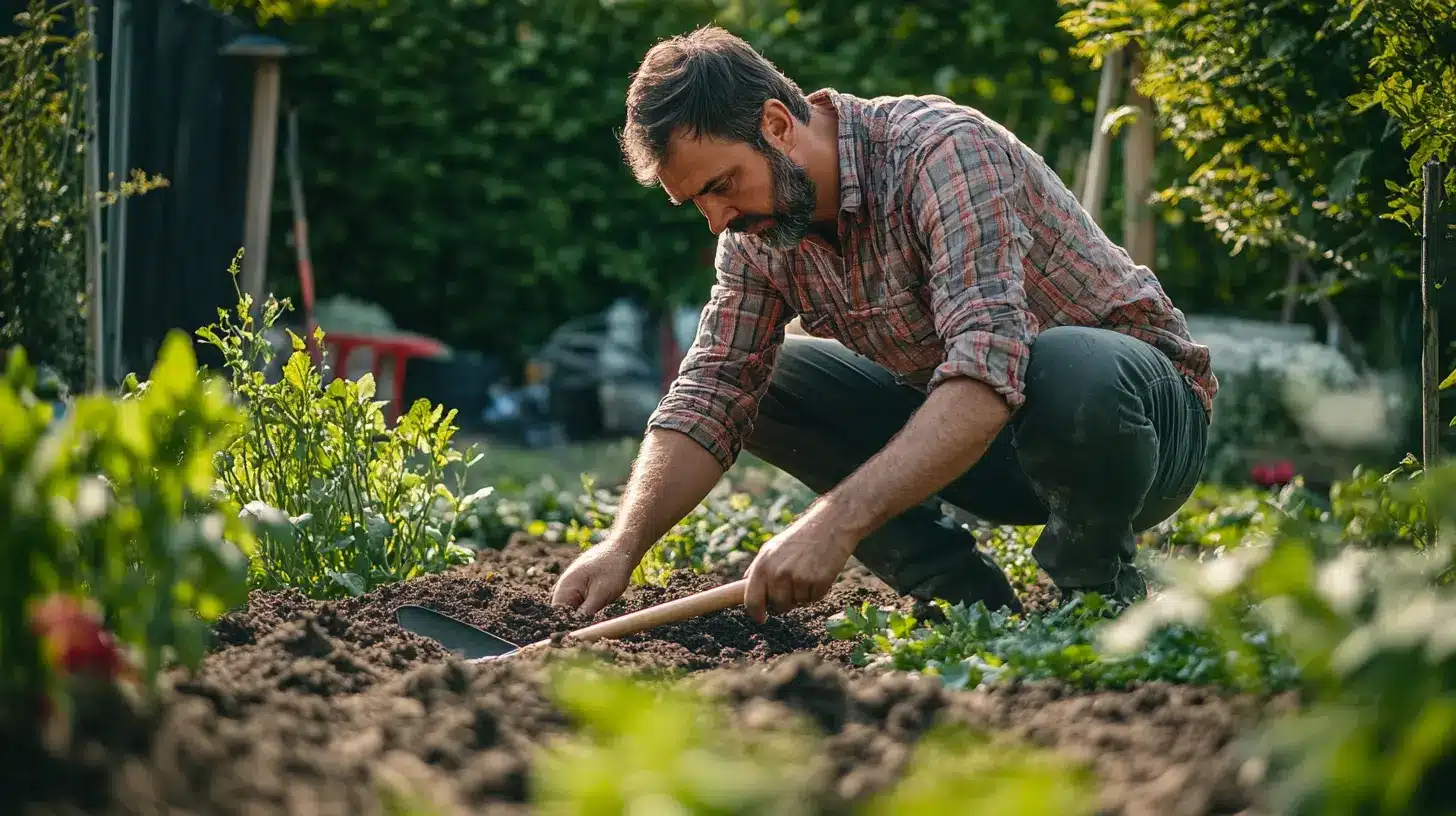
<point>316,707</point>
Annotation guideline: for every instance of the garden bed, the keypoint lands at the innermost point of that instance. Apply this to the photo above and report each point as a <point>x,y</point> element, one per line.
<point>307,707</point>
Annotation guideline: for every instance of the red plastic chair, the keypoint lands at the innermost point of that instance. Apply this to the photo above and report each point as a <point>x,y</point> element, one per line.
<point>398,349</point>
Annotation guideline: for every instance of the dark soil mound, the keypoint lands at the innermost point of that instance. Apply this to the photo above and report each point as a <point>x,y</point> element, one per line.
<point>316,708</point>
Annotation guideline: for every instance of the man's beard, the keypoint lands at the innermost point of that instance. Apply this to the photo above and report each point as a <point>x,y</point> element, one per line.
<point>793,203</point>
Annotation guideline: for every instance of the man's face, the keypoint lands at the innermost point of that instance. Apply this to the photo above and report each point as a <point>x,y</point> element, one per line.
<point>741,187</point>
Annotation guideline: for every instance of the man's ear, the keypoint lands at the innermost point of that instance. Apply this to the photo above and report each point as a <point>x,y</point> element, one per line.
<point>778,125</point>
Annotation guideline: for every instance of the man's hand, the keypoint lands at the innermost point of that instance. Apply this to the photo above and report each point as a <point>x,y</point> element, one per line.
<point>596,578</point>
<point>799,565</point>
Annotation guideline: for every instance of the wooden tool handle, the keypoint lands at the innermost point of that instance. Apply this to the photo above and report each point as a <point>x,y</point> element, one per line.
<point>702,603</point>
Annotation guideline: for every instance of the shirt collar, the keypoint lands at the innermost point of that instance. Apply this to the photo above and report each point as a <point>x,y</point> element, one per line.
<point>850,112</point>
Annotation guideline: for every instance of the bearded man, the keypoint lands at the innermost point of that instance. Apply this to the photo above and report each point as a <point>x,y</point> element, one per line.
<point>974,339</point>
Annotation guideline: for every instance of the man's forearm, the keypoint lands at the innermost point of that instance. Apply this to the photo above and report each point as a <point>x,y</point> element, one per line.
<point>943,439</point>
<point>671,476</point>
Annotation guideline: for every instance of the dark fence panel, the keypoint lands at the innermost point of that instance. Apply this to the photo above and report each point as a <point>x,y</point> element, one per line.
<point>189,121</point>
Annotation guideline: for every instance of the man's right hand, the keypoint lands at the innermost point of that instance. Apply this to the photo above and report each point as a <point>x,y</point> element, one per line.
<point>596,578</point>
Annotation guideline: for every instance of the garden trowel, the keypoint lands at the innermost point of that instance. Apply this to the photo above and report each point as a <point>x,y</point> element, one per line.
<point>476,645</point>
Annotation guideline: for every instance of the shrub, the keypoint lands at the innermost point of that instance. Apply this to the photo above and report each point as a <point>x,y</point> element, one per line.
<point>345,503</point>
<point>115,502</point>
<point>1288,110</point>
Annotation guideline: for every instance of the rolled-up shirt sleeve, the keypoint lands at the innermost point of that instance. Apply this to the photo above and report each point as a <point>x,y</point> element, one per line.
<point>962,204</point>
<point>714,399</point>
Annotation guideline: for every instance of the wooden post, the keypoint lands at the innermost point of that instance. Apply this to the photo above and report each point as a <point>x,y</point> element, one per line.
<point>118,135</point>
<point>1432,229</point>
<point>266,54</point>
<point>262,158</point>
<point>1138,155</point>
<point>1096,177</point>
<point>95,335</point>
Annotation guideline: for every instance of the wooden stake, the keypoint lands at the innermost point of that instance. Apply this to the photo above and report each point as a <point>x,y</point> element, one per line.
<point>261,160</point>
<point>1431,237</point>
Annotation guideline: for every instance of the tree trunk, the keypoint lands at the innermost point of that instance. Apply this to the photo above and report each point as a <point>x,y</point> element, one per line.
<point>1097,160</point>
<point>1138,154</point>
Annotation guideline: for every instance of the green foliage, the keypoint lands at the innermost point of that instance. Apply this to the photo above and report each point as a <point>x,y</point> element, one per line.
<point>468,155</point>
<point>1258,96</point>
<point>539,509</point>
<point>1380,509</point>
<point>648,747</point>
<point>42,209</point>
<point>115,501</point>
<point>1215,517</point>
<point>346,503</point>
<point>1368,630</point>
<point>972,646</point>
<point>43,201</point>
<point>264,11</point>
<point>1011,547</point>
<point>1413,79</point>
<point>952,770</point>
<point>726,529</point>
<point>659,747</point>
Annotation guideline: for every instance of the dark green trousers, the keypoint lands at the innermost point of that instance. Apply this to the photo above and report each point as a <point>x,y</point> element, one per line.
<point>1110,441</point>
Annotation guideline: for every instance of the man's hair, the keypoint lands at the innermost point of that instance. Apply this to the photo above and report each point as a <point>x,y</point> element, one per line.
<point>705,83</point>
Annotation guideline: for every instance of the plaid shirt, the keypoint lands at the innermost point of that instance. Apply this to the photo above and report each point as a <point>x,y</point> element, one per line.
<point>959,244</point>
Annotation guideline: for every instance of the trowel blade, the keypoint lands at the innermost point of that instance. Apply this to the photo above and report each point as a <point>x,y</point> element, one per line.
<point>470,642</point>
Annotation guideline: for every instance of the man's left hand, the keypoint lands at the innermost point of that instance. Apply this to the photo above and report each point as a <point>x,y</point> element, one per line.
<point>799,565</point>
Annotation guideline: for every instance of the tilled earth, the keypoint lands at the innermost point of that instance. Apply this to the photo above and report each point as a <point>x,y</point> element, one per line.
<point>309,708</point>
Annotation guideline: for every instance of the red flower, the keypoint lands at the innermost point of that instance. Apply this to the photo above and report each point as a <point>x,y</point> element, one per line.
<point>74,639</point>
<point>1273,474</point>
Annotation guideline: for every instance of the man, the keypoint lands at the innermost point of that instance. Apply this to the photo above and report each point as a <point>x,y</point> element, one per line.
<point>976,339</point>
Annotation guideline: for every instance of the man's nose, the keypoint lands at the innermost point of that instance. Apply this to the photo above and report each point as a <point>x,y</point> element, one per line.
<point>719,216</point>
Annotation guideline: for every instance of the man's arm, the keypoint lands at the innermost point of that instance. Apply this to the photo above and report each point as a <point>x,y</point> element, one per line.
<point>672,473</point>
<point>961,205</point>
<point>698,429</point>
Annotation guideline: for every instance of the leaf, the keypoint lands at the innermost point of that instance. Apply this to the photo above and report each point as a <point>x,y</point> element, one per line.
<point>471,499</point>
<point>349,581</point>
<point>1118,117</point>
<point>1347,175</point>
<point>840,627</point>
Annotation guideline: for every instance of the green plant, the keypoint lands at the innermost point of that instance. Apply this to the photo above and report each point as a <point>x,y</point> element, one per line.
<point>952,770</point>
<point>971,646</point>
<point>1412,77</point>
<point>1367,629</point>
<point>1257,95</point>
<point>653,746</point>
<point>727,528</point>
<point>648,746</point>
<point>1214,518</point>
<point>1378,509</point>
<point>43,200</point>
<point>345,502</point>
<point>115,502</point>
<point>1011,547</point>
